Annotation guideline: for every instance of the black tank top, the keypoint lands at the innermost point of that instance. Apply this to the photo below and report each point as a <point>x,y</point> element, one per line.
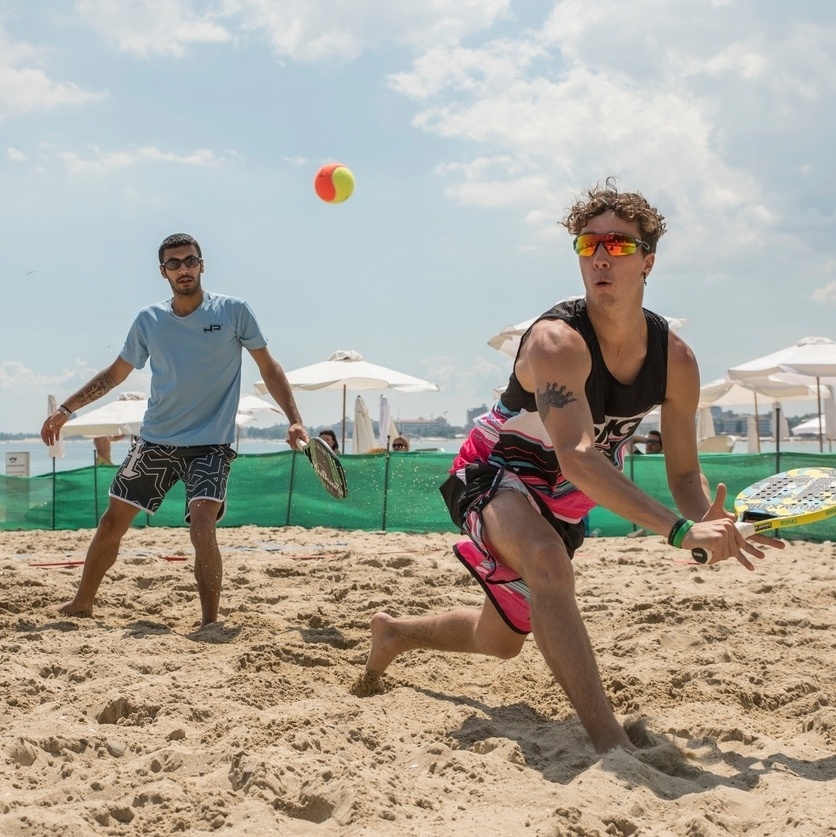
<point>617,409</point>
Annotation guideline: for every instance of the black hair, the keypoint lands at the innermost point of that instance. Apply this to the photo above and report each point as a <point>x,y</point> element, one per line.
<point>178,240</point>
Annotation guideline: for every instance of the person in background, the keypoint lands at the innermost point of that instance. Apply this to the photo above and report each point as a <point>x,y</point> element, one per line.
<point>586,373</point>
<point>652,442</point>
<point>331,438</point>
<point>400,443</point>
<point>102,446</point>
<point>194,342</point>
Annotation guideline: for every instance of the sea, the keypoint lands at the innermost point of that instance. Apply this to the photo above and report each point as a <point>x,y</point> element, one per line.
<point>79,453</point>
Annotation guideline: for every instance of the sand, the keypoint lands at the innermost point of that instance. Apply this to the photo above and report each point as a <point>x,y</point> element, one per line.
<point>137,722</point>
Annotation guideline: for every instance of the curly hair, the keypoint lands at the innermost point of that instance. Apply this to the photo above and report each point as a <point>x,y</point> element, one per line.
<point>630,206</point>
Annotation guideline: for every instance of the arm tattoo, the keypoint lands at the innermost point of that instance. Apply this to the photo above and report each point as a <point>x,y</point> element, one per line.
<point>101,384</point>
<point>554,396</point>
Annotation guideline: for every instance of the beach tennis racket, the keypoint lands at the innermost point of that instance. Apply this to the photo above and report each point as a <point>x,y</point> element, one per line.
<point>327,466</point>
<point>792,498</point>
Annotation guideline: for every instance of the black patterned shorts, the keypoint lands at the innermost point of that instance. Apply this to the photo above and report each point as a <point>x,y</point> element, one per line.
<point>150,470</point>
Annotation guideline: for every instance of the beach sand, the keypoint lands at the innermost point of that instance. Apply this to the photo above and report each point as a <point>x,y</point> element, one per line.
<point>135,722</point>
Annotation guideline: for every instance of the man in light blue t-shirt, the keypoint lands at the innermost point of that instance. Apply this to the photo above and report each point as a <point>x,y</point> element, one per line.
<point>193,343</point>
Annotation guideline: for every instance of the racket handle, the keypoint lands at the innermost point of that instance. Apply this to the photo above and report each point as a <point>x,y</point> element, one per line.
<point>703,556</point>
<point>300,445</point>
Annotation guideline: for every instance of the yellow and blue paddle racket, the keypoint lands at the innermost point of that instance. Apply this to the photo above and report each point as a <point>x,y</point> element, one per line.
<point>792,498</point>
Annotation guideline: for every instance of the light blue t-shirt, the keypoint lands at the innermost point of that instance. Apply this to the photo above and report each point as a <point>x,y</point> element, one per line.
<point>195,368</point>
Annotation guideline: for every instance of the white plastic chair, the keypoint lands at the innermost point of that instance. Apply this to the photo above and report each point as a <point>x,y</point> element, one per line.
<point>716,444</point>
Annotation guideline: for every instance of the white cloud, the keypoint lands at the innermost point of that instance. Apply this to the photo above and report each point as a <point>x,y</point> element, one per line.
<point>306,32</point>
<point>825,294</point>
<point>28,89</point>
<point>16,377</point>
<point>676,105</point>
<point>154,27</point>
<point>15,156</point>
<point>340,30</point>
<point>101,163</point>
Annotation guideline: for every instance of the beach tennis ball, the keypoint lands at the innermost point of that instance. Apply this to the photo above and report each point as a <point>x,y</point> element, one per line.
<point>334,183</point>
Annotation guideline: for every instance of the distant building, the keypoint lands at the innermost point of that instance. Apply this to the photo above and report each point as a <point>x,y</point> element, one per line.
<point>415,428</point>
<point>727,422</point>
<point>473,413</point>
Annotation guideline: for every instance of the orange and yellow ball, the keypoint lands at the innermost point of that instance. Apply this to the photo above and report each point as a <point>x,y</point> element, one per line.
<point>334,183</point>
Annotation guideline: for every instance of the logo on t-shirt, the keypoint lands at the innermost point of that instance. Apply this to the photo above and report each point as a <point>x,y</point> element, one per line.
<point>212,327</point>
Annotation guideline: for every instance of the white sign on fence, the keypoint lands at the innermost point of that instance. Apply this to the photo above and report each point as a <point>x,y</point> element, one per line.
<point>17,464</point>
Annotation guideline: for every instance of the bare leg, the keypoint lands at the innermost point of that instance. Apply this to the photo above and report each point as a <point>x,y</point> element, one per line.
<point>467,630</point>
<point>556,622</point>
<point>101,556</point>
<point>208,565</point>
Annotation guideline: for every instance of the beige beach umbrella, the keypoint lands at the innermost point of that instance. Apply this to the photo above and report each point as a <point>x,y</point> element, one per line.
<point>346,370</point>
<point>121,417</point>
<point>507,340</point>
<point>363,439</point>
<point>250,409</point>
<point>55,451</point>
<point>812,360</point>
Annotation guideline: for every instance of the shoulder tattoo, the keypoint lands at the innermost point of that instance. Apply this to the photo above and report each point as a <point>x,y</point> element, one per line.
<point>554,396</point>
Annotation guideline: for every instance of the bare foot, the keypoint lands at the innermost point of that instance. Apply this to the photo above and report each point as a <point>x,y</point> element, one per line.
<point>72,609</point>
<point>385,644</point>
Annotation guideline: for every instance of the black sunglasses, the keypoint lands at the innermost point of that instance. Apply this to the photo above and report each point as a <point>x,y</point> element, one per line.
<point>174,264</point>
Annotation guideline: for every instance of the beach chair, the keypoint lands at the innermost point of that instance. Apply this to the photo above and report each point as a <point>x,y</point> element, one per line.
<point>716,444</point>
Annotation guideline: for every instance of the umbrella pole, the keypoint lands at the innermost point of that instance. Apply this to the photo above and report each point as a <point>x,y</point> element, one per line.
<point>777,438</point>
<point>95,487</point>
<point>343,446</point>
<point>386,488</point>
<point>757,422</point>
<point>290,489</point>
<point>53,493</point>
<point>818,404</point>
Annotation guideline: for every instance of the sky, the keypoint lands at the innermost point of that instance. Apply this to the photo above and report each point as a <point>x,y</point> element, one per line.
<point>470,127</point>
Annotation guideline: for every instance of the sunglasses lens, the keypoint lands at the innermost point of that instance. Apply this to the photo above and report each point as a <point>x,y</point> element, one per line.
<point>615,244</point>
<point>174,264</point>
<point>620,245</point>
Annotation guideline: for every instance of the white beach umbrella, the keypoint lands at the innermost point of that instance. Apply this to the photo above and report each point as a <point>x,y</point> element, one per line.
<point>251,407</point>
<point>346,370</point>
<point>56,450</point>
<point>810,357</point>
<point>507,340</point>
<point>824,423</point>
<point>811,427</point>
<point>705,423</point>
<point>725,392</point>
<point>811,360</point>
<point>386,428</point>
<point>753,438</point>
<point>364,439</point>
<point>121,417</point>
<point>778,423</point>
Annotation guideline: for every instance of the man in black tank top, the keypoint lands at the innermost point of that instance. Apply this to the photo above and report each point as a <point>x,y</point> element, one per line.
<point>585,374</point>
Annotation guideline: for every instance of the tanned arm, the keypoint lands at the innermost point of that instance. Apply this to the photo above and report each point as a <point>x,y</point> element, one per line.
<point>94,389</point>
<point>278,386</point>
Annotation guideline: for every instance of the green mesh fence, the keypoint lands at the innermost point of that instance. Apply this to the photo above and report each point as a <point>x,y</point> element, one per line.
<point>737,471</point>
<point>275,489</point>
<point>397,492</point>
